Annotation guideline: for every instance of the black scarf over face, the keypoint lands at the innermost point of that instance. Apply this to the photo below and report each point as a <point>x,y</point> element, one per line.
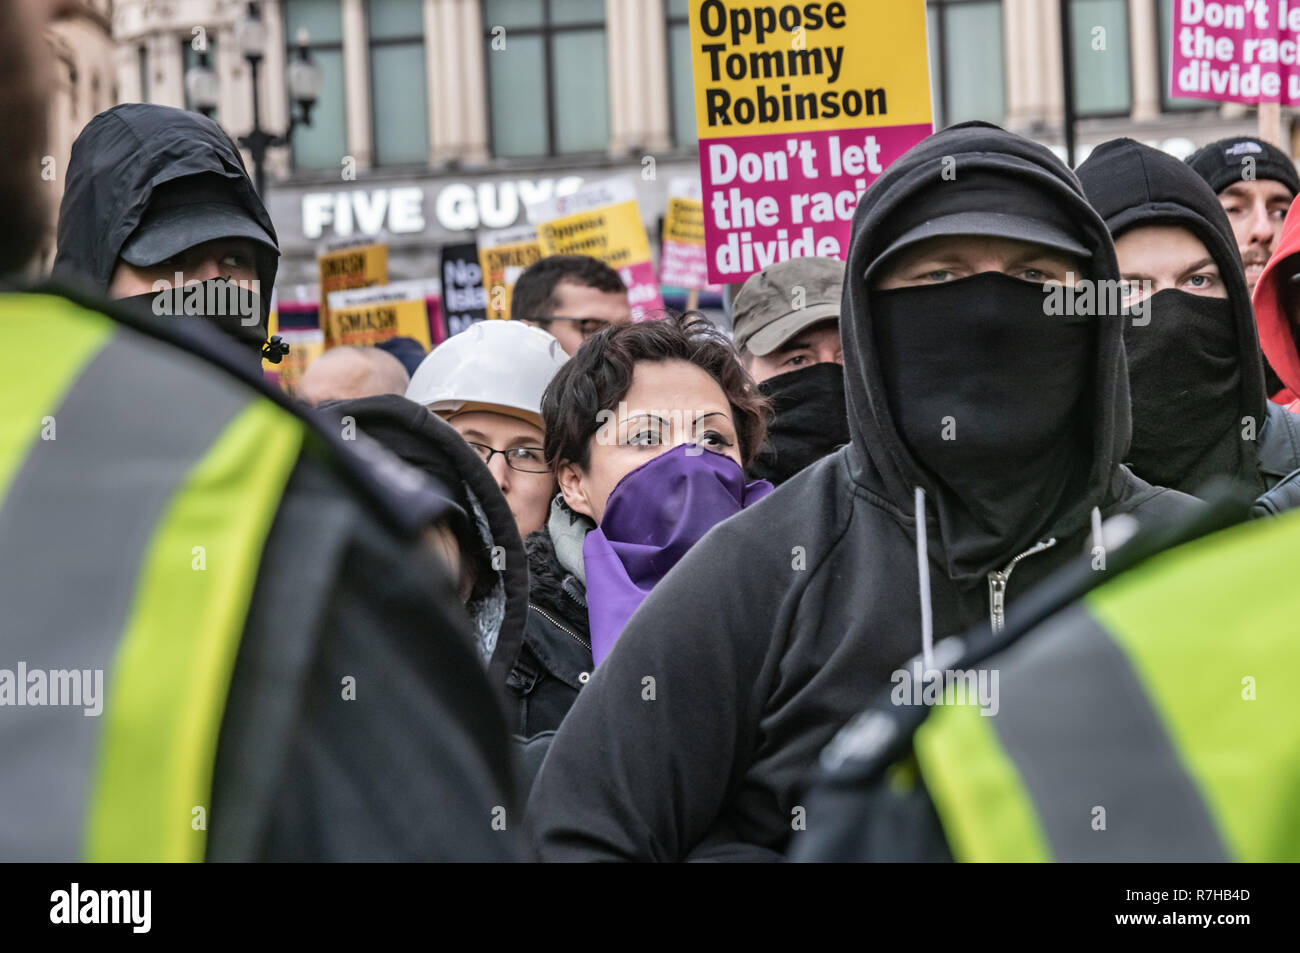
<point>810,421</point>
<point>238,311</point>
<point>1185,376</point>
<point>989,394</point>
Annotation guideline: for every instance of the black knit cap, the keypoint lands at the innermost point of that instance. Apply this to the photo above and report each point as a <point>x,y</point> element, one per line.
<point>1222,164</point>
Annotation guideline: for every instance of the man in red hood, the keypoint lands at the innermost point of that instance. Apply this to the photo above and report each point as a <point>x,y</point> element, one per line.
<point>1277,311</point>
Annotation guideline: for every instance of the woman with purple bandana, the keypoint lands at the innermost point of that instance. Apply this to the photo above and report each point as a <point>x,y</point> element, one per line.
<point>648,428</point>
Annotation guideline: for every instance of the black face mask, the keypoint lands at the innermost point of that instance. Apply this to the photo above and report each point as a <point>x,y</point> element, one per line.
<point>990,396</point>
<point>811,421</point>
<point>1185,377</point>
<point>236,311</point>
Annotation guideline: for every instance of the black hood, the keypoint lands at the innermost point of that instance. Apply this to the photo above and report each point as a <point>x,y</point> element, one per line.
<point>1133,185</point>
<point>883,465</point>
<point>117,162</point>
<point>429,443</point>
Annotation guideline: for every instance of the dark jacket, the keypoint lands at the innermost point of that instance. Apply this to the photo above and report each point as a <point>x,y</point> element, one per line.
<point>484,525</point>
<point>692,738</point>
<point>414,766</point>
<point>554,662</point>
<point>1132,186</point>
<point>117,162</point>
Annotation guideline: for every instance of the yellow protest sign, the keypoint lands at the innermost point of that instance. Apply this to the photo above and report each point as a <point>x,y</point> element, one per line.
<point>503,256</point>
<point>367,316</point>
<point>305,345</point>
<point>350,266</point>
<point>684,221</point>
<point>799,107</point>
<point>602,220</point>
<point>683,261</point>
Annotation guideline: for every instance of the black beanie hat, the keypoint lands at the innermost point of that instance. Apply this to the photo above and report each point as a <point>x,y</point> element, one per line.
<point>1220,163</point>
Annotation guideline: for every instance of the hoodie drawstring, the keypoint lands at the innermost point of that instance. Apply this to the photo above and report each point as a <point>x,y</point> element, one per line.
<point>923,578</point>
<point>1096,528</point>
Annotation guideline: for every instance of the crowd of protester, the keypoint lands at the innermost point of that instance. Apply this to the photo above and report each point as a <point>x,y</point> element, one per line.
<point>576,587</point>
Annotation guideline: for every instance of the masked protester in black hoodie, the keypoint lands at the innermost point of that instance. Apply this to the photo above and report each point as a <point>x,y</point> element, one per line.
<point>154,191</point>
<point>1194,366</point>
<point>693,737</point>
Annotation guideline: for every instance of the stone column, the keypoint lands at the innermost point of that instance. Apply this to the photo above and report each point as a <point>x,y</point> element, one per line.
<point>356,83</point>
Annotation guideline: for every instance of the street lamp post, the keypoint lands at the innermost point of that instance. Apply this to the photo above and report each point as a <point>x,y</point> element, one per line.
<point>304,79</point>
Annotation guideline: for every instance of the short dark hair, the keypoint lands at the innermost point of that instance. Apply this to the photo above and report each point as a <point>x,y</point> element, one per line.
<point>533,297</point>
<point>600,375</point>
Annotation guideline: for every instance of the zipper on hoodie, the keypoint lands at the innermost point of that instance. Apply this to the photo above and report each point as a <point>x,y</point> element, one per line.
<point>563,628</point>
<point>998,584</point>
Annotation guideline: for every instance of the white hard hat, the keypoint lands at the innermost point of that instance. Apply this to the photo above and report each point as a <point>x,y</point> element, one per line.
<point>495,365</point>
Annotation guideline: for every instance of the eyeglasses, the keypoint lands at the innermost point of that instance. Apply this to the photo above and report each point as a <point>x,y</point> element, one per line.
<point>586,326</point>
<point>523,459</point>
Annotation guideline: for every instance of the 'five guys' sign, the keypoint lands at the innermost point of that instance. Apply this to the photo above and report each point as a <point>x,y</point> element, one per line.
<point>1243,52</point>
<point>799,107</point>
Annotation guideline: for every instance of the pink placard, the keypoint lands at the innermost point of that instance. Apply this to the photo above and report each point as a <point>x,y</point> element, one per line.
<point>642,290</point>
<point>789,195</point>
<point>683,265</point>
<point>1244,52</point>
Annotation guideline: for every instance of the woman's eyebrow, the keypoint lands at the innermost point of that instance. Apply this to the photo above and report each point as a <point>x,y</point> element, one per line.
<point>653,417</point>
<point>712,413</point>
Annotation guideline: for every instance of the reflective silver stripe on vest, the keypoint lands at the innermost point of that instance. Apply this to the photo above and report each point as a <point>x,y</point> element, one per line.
<point>1081,731</point>
<point>73,531</point>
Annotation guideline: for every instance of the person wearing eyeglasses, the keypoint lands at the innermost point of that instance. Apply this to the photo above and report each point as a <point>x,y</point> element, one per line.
<point>570,297</point>
<point>487,382</point>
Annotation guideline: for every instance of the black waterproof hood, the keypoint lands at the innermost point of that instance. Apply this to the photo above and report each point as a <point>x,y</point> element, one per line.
<point>427,442</point>
<point>1133,185</point>
<point>117,162</point>
<point>883,465</point>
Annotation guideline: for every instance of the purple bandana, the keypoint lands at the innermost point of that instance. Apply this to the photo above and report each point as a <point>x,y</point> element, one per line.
<point>655,514</point>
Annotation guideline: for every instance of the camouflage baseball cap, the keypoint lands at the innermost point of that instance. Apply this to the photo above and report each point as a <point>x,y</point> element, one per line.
<point>782,300</point>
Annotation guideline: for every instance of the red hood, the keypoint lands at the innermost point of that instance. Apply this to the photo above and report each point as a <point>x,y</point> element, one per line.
<point>1274,329</point>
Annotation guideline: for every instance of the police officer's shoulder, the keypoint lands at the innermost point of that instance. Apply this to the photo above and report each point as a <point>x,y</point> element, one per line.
<point>882,733</point>
<point>400,495</point>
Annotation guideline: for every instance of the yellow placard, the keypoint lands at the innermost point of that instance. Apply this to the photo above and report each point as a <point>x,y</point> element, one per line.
<point>772,67</point>
<point>684,221</point>
<point>305,346</point>
<point>502,265</point>
<point>365,325</point>
<point>614,234</point>
<point>360,266</point>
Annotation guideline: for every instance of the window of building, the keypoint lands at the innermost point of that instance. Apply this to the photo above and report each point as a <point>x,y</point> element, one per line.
<point>190,57</point>
<point>548,84</point>
<point>1167,102</point>
<point>680,84</point>
<point>323,144</point>
<point>1100,46</point>
<point>967,79</point>
<point>398,88</point>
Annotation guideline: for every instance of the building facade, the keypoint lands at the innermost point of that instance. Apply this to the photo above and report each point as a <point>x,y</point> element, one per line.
<point>83,74</point>
<point>441,117</point>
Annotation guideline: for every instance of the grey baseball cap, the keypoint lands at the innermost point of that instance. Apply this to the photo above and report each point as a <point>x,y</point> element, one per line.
<point>782,300</point>
<point>189,212</point>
